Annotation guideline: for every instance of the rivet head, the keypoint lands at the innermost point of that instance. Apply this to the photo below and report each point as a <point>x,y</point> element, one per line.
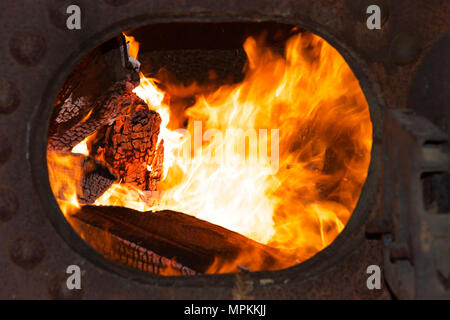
<point>58,290</point>
<point>27,47</point>
<point>9,96</point>
<point>405,48</point>
<point>8,204</point>
<point>27,252</point>
<point>117,3</point>
<point>5,149</point>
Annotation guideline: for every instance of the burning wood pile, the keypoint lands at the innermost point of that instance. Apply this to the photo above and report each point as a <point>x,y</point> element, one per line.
<point>114,139</point>
<point>119,171</point>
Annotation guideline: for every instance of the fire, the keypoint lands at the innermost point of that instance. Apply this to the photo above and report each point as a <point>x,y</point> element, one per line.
<point>64,173</point>
<point>153,96</point>
<point>292,200</point>
<point>123,195</point>
<point>81,148</point>
<point>280,157</point>
<point>132,45</point>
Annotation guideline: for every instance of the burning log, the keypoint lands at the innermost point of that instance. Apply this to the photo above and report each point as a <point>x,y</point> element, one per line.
<point>183,239</point>
<point>127,252</point>
<point>89,177</point>
<point>132,150</point>
<point>95,182</point>
<point>102,112</point>
<point>78,99</point>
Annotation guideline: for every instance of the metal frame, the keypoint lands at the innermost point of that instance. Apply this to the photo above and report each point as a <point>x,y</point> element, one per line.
<point>40,54</point>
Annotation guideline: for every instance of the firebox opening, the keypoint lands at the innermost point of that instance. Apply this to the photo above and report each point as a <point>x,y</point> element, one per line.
<point>204,148</point>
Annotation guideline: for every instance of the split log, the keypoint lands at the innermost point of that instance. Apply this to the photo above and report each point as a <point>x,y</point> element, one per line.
<point>131,147</point>
<point>191,242</point>
<point>82,87</point>
<point>103,111</point>
<point>95,181</point>
<point>93,75</point>
<point>87,176</point>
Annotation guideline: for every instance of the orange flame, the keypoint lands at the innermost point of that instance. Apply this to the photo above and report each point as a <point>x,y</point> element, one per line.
<point>133,46</point>
<point>64,171</point>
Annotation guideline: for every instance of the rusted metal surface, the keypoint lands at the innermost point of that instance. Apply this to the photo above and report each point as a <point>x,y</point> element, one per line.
<point>430,90</point>
<point>416,201</point>
<point>37,246</point>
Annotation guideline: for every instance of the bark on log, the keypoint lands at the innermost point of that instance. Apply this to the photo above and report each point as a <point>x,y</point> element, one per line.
<point>92,76</point>
<point>82,87</point>
<point>95,183</point>
<point>189,241</point>
<point>128,253</point>
<point>104,110</point>
<point>131,147</point>
<point>89,177</point>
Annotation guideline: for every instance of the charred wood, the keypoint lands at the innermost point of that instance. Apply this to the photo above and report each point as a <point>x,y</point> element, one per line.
<point>93,75</point>
<point>189,241</point>
<point>127,252</point>
<point>104,110</point>
<point>89,177</point>
<point>82,87</point>
<point>132,150</point>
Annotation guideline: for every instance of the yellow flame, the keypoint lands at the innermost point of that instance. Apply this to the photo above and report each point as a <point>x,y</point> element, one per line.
<point>153,96</point>
<point>81,148</point>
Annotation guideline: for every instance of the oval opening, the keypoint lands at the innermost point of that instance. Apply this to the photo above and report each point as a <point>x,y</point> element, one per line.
<point>234,147</point>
